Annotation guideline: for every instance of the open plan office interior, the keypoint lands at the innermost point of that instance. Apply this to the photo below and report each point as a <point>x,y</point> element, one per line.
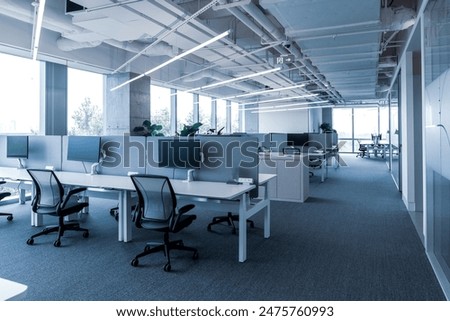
<point>301,147</point>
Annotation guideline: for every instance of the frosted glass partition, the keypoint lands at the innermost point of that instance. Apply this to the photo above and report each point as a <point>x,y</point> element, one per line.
<point>437,142</point>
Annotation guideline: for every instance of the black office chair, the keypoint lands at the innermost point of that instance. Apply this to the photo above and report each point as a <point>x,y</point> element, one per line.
<point>230,218</point>
<point>157,211</point>
<point>9,216</point>
<point>362,150</point>
<point>50,199</point>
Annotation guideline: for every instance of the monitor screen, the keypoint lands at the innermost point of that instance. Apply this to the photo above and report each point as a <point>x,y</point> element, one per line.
<point>300,139</point>
<point>83,148</point>
<point>17,146</point>
<point>179,153</point>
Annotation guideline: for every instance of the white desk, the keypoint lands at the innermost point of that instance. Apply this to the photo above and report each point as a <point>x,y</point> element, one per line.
<point>10,290</point>
<point>203,193</point>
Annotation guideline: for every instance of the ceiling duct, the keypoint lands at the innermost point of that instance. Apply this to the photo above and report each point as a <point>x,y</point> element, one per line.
<point>213,74</point>
<point>396,19</point>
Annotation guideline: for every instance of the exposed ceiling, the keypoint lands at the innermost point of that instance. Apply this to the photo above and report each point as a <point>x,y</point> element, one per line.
<point>340,51</point>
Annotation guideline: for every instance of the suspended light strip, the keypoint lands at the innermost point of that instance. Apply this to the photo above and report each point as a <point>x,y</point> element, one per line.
<point>278,99</point>
<point>224,34</point>
<point>288,105</point>
<point>265,91</point>
<point>290,109</point>
<point>220,83</point>
<point>37,27</point>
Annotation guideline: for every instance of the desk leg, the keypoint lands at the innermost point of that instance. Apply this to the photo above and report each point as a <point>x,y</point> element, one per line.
<point>36,220</point>
<point>266,213</point>
<point>324,168</point>
<point>124,226</point>
<point>243,228</point>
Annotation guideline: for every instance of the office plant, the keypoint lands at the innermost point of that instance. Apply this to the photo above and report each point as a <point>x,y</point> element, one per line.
<point>148,129</point>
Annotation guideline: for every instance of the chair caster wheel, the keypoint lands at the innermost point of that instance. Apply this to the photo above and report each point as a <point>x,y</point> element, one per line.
<point>9,218</point>
<point>86,234</point>
<point>135,262</point>
<point>30,241</point>
<point>57,243</point>
<point>167,267</point>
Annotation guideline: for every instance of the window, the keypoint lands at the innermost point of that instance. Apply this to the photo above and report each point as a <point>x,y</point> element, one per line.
<point>84,102</point>
<point>235,117</point>
<point>366,122</point>
<point>185,109</point>
<point>20,83</point>
<point>204,113</point>
<point>342,123</point>
<point>160,108</point>
<point>221,115</point>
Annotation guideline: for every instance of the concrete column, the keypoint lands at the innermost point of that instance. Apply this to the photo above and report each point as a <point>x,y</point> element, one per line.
<point>55,101</point>
<point>126,107</point>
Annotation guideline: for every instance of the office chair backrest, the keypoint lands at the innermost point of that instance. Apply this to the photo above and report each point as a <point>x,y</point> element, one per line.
<point>157,200</point>
<point>49,191</point>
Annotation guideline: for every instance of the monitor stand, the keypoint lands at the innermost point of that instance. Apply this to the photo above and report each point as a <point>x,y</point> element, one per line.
<point>20,164</point>
<point>94,169</point>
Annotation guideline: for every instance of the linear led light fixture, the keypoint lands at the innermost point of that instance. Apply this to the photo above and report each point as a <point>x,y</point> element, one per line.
<point>278,99</point>
<point>288,105</point>
<point>39,6</point>
<point>187,52</point>
<point>265,91</point>
<point>290,109</point>
<point>220,83</point>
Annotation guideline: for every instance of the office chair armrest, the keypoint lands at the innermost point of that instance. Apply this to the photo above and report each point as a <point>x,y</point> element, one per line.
<point>2,182</point>
<point>185,209</point>
<point>71,193</point>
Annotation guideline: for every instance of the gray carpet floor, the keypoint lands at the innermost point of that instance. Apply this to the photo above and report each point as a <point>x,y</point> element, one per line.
<point>352,240</point>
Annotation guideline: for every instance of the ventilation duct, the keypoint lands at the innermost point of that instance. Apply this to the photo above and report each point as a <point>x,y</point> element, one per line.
<point>396,19</point>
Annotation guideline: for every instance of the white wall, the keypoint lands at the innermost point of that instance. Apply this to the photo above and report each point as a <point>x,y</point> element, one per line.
<point>295,121</point>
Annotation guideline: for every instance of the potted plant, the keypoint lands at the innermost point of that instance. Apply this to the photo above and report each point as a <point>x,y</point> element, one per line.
<point>326,128</point>
<point>148,129</point>
<point>190,130</point>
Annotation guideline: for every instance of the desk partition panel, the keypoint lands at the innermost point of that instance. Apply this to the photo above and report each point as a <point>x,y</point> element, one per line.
<point>42,151</point>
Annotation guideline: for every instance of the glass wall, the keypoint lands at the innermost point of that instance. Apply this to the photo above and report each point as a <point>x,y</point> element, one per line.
<point>221,115</point>
<point>235,125</point>
<point>160,108</point>
<point>343,124</point>
<point>20,95</point>
<point>84,102</point>
<point>436,58</point>
<point>204,112</point>
<point>359,123</point>
<point>185,109</point>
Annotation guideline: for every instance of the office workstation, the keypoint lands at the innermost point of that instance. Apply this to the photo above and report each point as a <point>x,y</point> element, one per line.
<point>280,101</point>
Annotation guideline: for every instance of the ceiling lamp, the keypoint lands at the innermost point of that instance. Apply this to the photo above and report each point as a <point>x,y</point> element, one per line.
<point>39,6</point>
<point>185,53</point>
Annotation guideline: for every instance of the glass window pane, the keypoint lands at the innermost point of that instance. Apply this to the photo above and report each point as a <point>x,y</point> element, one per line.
<point>185,109</point>
<point>235,117</point>
<point>19,76</point>
<point>84,102</point>
<point>384,122</point>
<point>221,114</point>
<point>366,122</point>
<point>204,113</point>
<point>160,108</point>
<point>342,122</point>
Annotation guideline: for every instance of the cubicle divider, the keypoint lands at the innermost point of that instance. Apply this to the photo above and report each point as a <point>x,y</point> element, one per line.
<point>42,151</point>
<point>225,157</point>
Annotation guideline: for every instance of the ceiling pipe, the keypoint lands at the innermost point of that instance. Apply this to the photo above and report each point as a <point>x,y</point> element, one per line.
<point>272,33</point>
<point>54,21</point>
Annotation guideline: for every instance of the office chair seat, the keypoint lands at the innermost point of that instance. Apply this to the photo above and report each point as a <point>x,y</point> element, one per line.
<point>157,211</point>
<point>50,199</point>
<point>9,216</point>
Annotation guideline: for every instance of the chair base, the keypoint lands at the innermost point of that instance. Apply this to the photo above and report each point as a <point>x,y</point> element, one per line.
<point>165,247</point>
<point>9,216</point>
<point>61,228</point>
<point>230,219</point>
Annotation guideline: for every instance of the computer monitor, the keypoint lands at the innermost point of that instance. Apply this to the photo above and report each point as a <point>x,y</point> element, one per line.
<point>84,148</point>
<point>179,153</point>
<point>298,139</point>
<point>17,146</point>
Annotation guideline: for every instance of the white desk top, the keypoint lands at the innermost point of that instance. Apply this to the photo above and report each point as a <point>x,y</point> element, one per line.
<point>216,190</point>
<point>11,290</point>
